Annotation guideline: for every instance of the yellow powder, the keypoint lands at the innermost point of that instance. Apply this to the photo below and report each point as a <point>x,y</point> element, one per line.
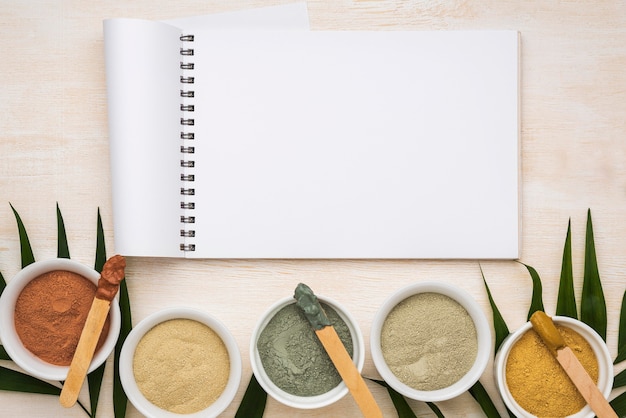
<point>181,366</point>
<point>536,379</point>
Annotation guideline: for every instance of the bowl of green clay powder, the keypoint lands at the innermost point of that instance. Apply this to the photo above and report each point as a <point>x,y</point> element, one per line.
<point>290,363</point>
<point>180,362</point>
<point>430,341</point>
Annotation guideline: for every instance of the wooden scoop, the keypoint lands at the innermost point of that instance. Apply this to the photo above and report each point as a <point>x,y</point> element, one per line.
<point>336,351</point>
<point>553,339</point>
<point>108,285</point>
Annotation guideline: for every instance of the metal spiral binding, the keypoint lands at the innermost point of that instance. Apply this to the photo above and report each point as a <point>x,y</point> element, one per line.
<point>186,121</point>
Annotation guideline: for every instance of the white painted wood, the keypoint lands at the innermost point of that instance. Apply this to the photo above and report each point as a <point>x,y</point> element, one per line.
<point>54,148</point>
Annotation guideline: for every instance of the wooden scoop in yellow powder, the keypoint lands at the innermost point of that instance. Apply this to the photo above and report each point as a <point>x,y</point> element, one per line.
<point>553,339</point>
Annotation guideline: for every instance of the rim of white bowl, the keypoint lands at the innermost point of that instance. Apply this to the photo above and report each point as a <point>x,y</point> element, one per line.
<point>483,334</point>
<point>605,364</point>
<point>305,402</point>
<point>127,378</point>
<point>11,341</point>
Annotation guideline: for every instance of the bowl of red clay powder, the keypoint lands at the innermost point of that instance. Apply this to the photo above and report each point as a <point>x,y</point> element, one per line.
<point>43,310</point>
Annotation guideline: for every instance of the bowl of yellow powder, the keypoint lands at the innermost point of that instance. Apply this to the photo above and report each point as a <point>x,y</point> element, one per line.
<point>430,341</point>
<point>533,384</point>
<point>290,363</point>
<point>180,362</point>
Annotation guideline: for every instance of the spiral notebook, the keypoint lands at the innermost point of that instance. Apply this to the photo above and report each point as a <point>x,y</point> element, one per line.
<point>290,143</point>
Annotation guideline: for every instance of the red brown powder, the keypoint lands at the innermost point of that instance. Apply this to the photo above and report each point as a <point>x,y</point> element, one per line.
<point>110,278</point>
<point>50,313</point>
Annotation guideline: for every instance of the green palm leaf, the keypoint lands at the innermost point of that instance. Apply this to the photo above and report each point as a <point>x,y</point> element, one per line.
<point>63,250</point>
<point>101,251</point>
<point>399,402</point>
<point>94,383</point>
<point>3,283</point>
<point>435,409</point>
<point>19,382</point>
<point>502,331</point>
<point>120,400</point>
<point>253,402</point>
<point>566,300</point>
<point>25,248</point>
<point>94,379</point>
<point>621,337</point>
<point>619,405</point>
<point>592,303</point>
<point>500,327</point>
<point>3,354</point>
<point>620,380</point>
<point>536,302</point>
<point>15,381</point>
<point>481,396</point>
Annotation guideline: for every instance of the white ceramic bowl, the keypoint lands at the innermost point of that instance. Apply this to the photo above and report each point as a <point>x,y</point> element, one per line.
<point>127,377</point>
<point>483,332</point>
<point>605,364</point>
<point>305,402</point>
<point>11,341</point>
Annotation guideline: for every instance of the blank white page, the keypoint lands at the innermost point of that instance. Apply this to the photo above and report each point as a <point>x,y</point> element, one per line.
<point>143,105</point>
<point>356,144</point>
<point>143,87</point>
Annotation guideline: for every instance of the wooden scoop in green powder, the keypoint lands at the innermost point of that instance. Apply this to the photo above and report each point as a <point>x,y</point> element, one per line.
<point>308,302</point>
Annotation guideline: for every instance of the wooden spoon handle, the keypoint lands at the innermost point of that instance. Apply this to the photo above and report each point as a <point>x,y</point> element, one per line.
<point>84,351</point>
<point>585,385</point>
<point>553,339</point>
<point>348,372</point>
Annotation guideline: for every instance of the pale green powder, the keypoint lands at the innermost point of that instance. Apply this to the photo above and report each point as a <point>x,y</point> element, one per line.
<point>429,341</point>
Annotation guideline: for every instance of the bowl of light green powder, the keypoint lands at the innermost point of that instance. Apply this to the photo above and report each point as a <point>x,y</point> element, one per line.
<point>180,362</point>
<point>291,364</point>
<point>430,341</point>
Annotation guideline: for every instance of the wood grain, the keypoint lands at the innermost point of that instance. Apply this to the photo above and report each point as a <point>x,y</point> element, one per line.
<point>54,148</point>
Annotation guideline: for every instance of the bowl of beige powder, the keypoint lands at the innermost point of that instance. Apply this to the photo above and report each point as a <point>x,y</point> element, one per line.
<point>430,341</point>
<point>180,362</point>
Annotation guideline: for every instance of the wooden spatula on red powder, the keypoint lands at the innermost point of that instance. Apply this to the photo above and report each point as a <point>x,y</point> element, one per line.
<point>108,285</point>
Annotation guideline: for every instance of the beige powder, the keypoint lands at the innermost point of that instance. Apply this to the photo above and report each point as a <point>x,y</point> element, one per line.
<point>181,366</point>
<point>429,341</point>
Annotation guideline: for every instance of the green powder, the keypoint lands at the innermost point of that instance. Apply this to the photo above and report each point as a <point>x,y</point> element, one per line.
<point>293,357</point>
<point>429,341</point>
<point>310,305</point>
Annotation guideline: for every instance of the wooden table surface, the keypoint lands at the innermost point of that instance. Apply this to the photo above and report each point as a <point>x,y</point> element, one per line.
<point>54,148</point>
